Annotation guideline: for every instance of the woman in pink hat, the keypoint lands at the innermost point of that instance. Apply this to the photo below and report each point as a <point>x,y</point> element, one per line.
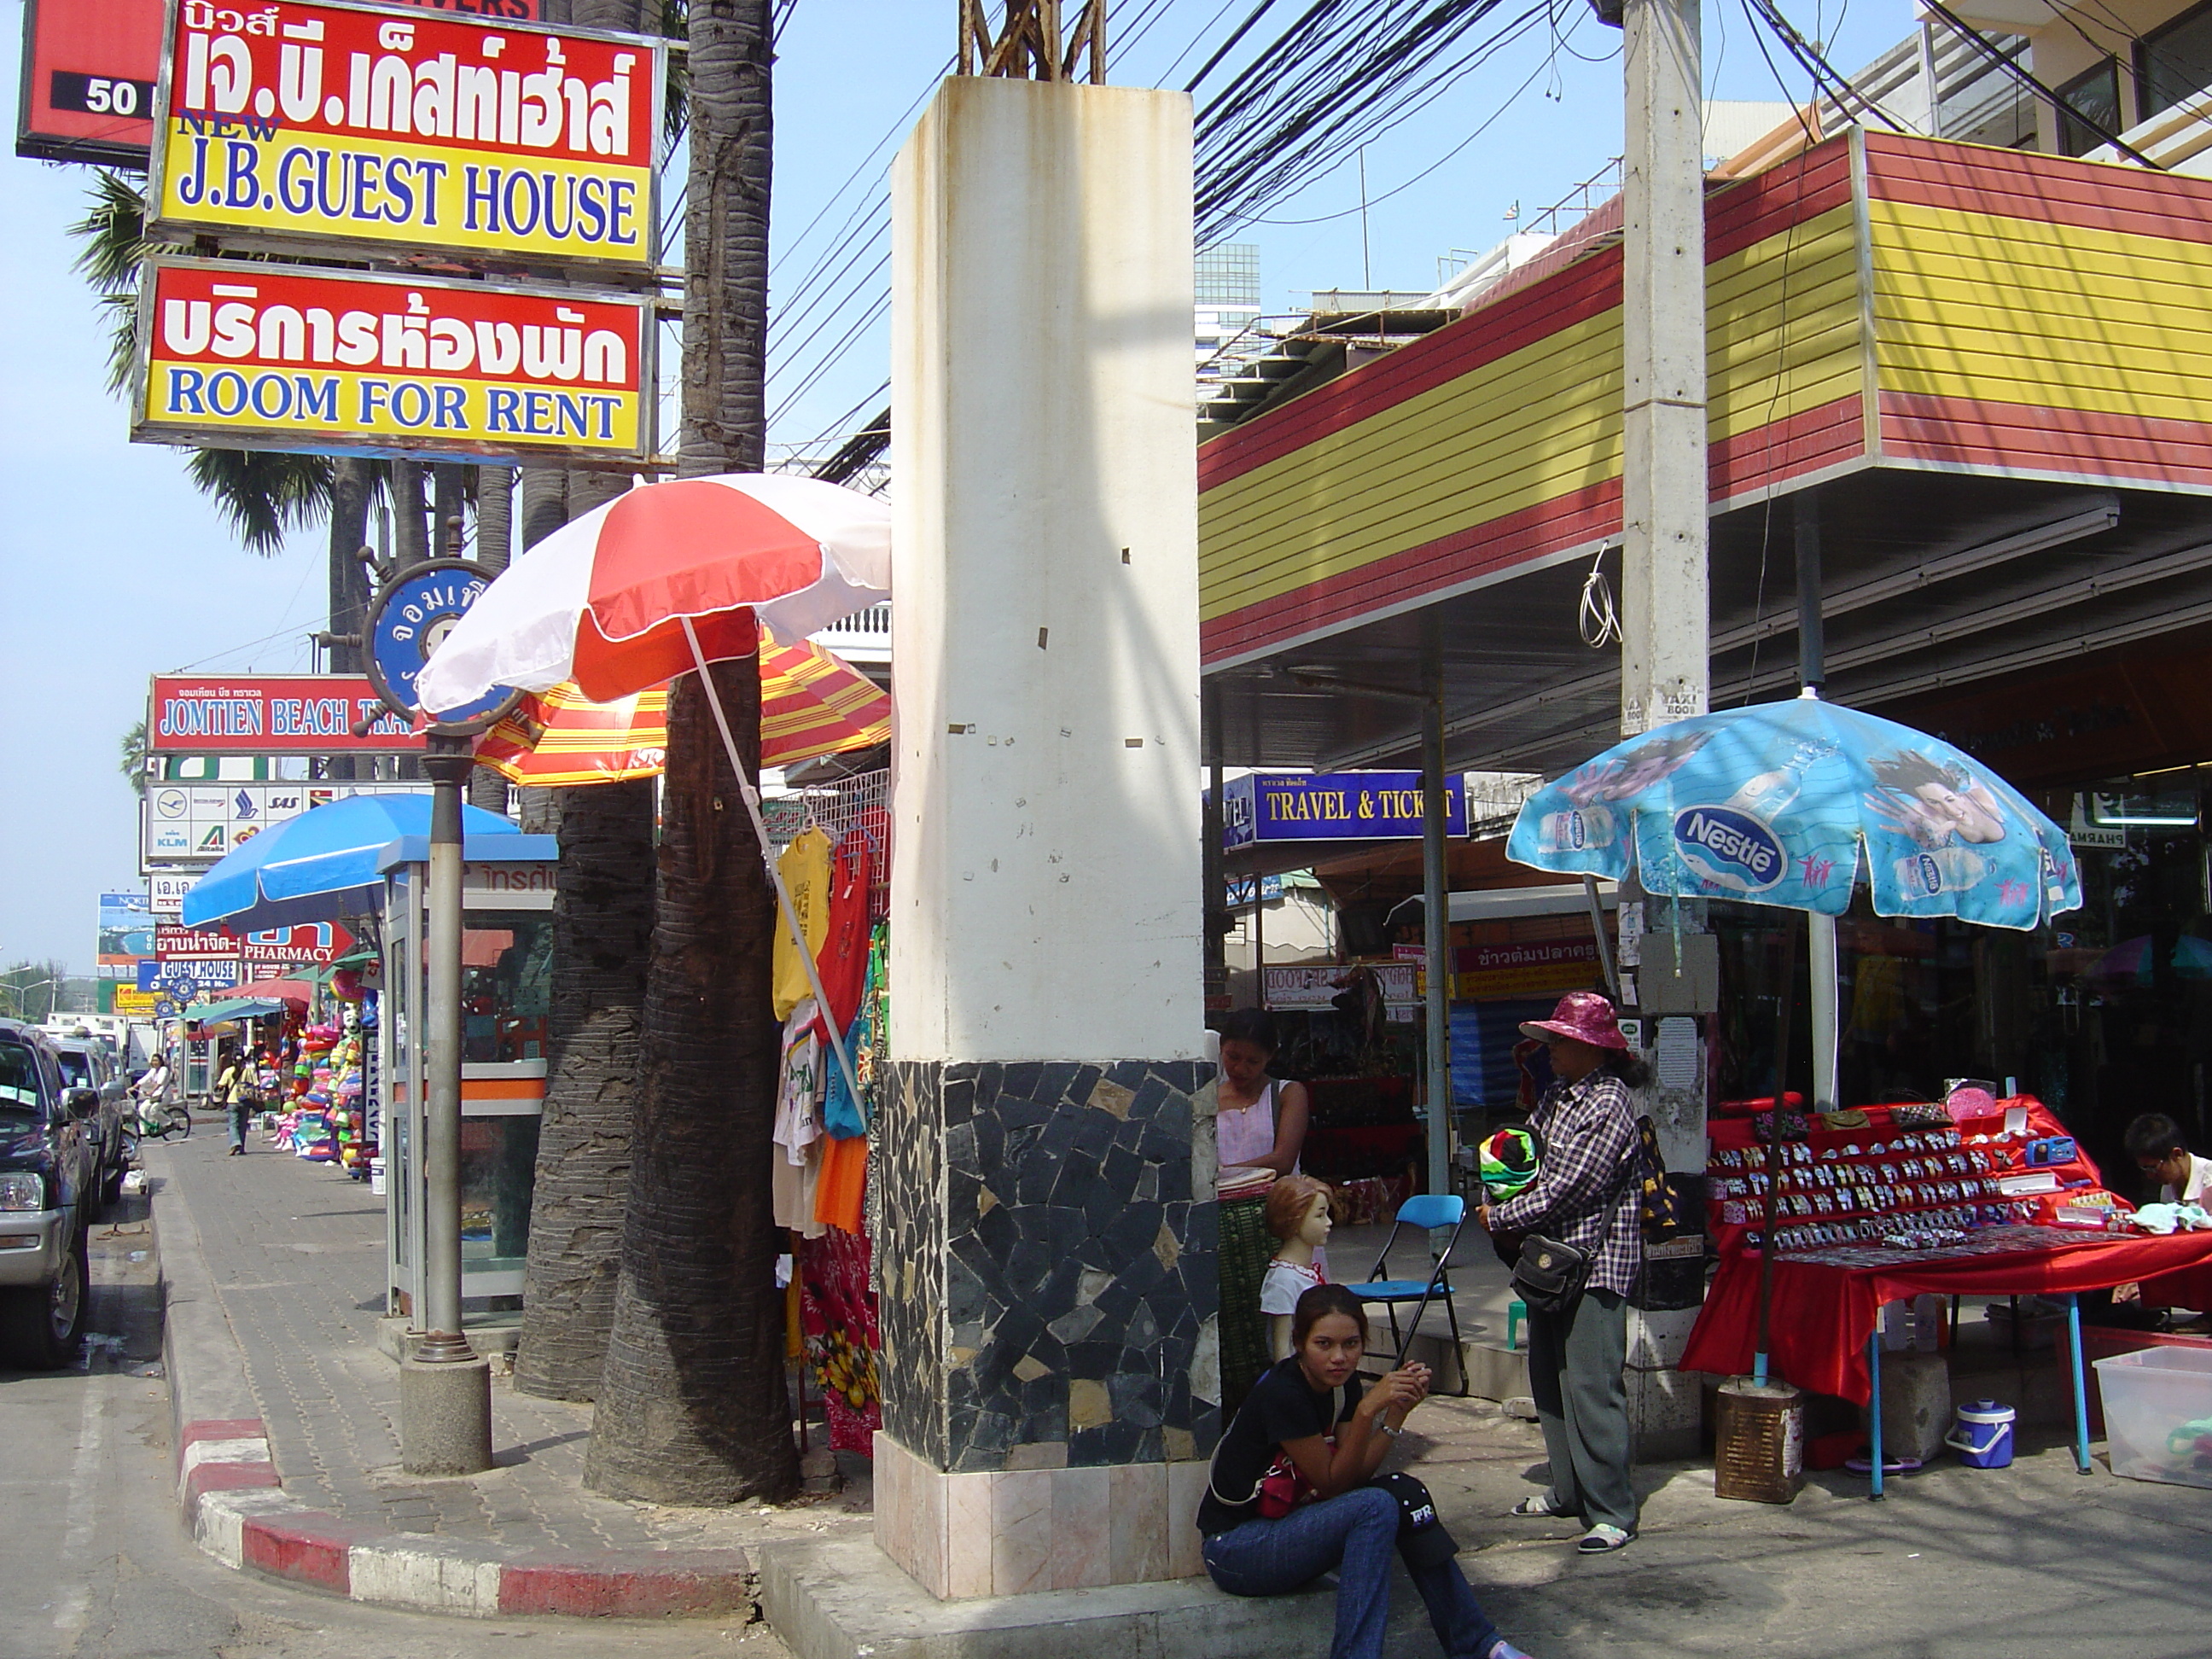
<point>1584,1196</point>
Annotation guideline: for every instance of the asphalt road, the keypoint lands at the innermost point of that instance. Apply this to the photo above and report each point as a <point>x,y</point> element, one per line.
<point>94,1563</point>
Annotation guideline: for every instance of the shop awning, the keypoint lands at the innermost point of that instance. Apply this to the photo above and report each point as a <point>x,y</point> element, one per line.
<point>214,1014</point>
<point>1505,903</point>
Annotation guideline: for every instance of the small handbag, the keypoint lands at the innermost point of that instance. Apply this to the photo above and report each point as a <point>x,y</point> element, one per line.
<point>1549,1275</point>
<point>1283,1486</point>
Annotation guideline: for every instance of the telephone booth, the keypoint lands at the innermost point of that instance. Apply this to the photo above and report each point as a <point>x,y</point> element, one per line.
<point>507,951</point>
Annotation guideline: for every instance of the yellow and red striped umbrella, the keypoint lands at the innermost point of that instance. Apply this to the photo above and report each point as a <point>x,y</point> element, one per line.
<point>812,703</point>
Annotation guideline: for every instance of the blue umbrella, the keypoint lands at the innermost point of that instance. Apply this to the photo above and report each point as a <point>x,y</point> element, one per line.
<point>319,865</point>
<point>1781,803</point>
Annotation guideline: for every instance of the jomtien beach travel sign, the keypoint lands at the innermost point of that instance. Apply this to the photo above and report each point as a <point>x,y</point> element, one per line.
<point>310,125</point>
<point>252,355</point>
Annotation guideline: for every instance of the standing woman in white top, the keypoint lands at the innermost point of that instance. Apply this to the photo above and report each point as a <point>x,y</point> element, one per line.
<point>1259,1122</point>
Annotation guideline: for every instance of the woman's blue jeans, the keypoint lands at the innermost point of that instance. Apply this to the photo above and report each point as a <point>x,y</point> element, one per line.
<point>1357,1534</point>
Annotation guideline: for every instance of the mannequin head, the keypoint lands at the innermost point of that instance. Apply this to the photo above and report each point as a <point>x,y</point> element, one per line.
<point>1299,1211</point>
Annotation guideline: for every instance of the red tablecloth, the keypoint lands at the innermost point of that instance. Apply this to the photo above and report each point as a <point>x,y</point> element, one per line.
<point>1823,1316</point>
<point>2190,1288</point>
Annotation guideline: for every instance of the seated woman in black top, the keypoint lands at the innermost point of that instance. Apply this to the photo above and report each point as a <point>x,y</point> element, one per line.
<point>1311,1410</point>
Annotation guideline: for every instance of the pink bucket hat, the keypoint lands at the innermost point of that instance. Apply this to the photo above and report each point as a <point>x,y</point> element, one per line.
<point>1582,1015</point>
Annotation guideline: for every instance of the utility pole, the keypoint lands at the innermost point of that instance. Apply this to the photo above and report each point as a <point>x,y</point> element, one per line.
<point>1664,654</point>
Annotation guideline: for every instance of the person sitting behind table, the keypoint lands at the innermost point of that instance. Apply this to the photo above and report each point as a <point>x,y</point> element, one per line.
<point>2154,1140</point>
<point>1312,1409</point>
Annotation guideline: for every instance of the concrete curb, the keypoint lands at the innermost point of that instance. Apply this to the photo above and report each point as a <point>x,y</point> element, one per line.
<point>232,1497</point>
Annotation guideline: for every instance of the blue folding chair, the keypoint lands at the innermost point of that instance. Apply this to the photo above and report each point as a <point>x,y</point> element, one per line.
<point>1430,1213</point>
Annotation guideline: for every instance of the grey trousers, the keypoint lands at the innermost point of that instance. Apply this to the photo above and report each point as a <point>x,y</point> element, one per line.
<point>1575,1361</point>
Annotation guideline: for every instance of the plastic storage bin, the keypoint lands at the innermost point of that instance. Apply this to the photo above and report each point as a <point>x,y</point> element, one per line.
<point>2158,1414</point>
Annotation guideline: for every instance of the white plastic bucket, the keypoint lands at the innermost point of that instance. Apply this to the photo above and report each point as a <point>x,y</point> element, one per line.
<point>376,1176</point>
<point>1983,1435</point>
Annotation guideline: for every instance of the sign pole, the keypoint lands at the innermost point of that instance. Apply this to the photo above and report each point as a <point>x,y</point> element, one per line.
<point>445,1386</point>
<point>445,1416</point>
<point>1436,929</point>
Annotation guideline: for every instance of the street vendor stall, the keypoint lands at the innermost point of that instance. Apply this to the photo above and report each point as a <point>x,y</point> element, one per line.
<point>1908,1201</point>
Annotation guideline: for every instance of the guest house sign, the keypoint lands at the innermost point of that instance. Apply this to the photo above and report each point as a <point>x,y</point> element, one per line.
<point>314,124</point>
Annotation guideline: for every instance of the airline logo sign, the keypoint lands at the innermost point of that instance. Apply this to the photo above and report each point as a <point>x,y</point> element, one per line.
<point>315,123</point>
<point>198,823</point>
<point>262,355</point>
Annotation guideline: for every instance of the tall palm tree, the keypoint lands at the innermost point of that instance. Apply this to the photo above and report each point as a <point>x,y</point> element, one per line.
<point>692,1406</point>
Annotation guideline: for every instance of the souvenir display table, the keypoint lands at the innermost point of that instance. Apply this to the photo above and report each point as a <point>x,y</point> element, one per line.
<point>1828,1291</point>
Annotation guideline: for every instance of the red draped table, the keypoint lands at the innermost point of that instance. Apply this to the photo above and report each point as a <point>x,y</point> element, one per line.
<point>1827,1301</point>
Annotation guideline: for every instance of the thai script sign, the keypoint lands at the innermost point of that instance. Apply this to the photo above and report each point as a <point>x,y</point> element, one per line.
<point>272,714</point>
<point>1501,972</point>
<point>1318,988</point>
<point>310,123</point>
<point>185,944</point>
<point>90,69</point>
<point>270,356</point>
<point>1268,806</point>
<point>166,890</point>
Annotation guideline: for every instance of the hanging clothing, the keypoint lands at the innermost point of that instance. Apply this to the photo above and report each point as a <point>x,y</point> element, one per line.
<point>1245,1134</point>
<point>805,867</point>
<point>839,1192</point>
<point>838,1312</point>
<point>795,1170</point>
<point>841,959</point>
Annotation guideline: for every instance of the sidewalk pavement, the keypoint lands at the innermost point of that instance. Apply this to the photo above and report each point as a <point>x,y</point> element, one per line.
<point>288,1467</point>
<point>286,1421</point>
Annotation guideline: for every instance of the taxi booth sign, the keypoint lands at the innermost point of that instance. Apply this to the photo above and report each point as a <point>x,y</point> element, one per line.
<point>507,948</point>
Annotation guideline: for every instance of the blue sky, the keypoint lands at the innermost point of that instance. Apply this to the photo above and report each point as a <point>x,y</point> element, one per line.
<point>112,567</point>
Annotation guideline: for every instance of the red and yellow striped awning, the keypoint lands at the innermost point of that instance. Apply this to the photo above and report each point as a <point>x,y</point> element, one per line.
<point>812,703</point>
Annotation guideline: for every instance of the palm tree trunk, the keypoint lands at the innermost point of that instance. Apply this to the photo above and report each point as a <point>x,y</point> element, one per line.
<point>494,540</point>
<point>692,1407</point>
<point>602,933</point>
<point>350,494</point>
<point>449,509</point>
<point>411,535</point>
<point>495,517</point>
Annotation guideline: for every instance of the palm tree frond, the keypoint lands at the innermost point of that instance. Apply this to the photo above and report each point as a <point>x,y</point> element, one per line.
<point>113,231</point>
<point>265,495</point>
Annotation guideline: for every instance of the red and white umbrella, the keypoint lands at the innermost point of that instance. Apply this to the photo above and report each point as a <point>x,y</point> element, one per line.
<point>666,580</point>
<point>604,600</point>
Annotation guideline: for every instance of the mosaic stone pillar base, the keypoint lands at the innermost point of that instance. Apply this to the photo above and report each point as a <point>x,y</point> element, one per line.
<point>1047,1308</point>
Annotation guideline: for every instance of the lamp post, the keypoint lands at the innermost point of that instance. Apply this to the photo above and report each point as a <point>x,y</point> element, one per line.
<point>445,1385</point>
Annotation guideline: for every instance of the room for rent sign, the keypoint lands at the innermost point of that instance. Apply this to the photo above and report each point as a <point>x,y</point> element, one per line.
<point>235,353</point>
<point>318,124</point>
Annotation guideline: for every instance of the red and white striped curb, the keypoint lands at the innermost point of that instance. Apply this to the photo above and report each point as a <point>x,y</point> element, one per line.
<point>234,1506</point>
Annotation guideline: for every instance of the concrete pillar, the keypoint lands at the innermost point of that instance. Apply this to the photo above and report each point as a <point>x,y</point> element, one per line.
<point>1048,1236</point>
<point>1665,622</point>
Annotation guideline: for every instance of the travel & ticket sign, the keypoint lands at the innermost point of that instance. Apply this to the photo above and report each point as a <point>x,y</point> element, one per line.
<point>238,354</point>
<point>431,132</point>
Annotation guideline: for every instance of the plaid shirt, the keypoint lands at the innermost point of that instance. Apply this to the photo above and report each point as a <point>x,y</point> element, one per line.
<point>1588,1131</point>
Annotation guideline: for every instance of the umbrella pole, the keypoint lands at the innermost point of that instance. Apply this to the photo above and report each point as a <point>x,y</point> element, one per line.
<point>782,894</point>
<point>1767,1246</point>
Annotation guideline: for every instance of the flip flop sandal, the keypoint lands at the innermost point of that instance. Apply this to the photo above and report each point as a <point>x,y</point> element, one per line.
<point>1863,1463</point>
<point>1537,1508</point>
<point>1603,1539</point>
